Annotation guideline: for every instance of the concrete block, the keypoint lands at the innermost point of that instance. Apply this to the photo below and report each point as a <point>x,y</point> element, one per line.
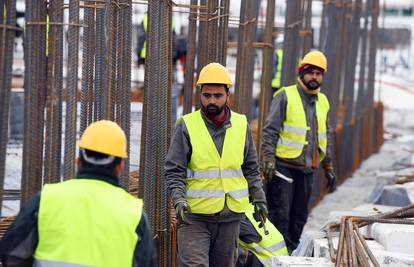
<point>394,237</point>
<point>286,261</point>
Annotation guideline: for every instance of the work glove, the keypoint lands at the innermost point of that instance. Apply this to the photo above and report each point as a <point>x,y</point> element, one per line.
<point>260,212</point>
<point>269,169</point>
<point>182,209</point>
<point>331,180</point>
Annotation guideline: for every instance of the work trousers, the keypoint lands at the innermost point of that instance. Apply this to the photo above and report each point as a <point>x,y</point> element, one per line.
<point>205,244</point>
<point>288,204</point>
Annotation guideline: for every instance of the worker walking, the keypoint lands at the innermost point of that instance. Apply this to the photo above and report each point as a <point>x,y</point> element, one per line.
<point>212,171</point>
<point>259,246</point>
<point>296,140</point>
<point>277,69</point>
<point>87,221</point>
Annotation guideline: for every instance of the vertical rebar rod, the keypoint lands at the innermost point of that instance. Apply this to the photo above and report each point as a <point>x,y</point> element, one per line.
<point>71,91</point>
<point>223,31</point>
<point>308,36</point>
<point>190,59</point>
<point>291,42</point>
<point>267,67</point>
<point>6,62</point>
<point>201,51</point>
<point>88,63</point>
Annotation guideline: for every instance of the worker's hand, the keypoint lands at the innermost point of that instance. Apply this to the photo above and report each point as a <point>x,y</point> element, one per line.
<point>260,212</point>
<point>269,169</point>
<point>182,209</point>
<point>331,180</point>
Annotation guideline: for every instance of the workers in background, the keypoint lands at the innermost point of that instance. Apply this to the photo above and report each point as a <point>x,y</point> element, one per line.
<point>296,139</point>
<point>211,172</point>
<point>87,221</point>
<point>277,70</point>
<point>258,248</point>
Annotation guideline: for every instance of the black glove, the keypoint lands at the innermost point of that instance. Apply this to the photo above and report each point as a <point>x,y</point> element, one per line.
<point>331,180</point>
<point>260,212</point>
<point>269,169</point>
<point>181,210</point>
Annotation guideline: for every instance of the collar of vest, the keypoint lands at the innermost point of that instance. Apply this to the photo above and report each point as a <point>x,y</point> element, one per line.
<point>88,172</point>
<point>305,88</point>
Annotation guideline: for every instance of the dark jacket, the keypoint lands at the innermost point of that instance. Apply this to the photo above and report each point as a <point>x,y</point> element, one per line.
<point>19,243</point>
<point>179,155</point>
<point>274,124</point>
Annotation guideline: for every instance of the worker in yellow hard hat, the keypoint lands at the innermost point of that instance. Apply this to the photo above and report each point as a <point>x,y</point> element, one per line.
<point>212,174</point>
<point>297,139</point>
<point>87,221</point>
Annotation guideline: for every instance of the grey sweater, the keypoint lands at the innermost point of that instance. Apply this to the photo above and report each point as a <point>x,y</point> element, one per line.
<point>274,124</point>
<point>179,156</point>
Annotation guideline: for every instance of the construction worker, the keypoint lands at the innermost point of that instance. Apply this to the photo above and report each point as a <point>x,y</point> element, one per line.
<point>87,221</point>
<point>296,140</point>
<point>277,69</point>
<point>212,171</point>
<point>259,247</point>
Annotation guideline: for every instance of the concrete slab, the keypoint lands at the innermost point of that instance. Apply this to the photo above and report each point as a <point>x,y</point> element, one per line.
<point>286,261</point>
<point>394,237</point>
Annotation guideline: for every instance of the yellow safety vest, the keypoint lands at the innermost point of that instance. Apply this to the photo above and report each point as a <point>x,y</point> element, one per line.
<point>87,222</point>
<point>213,180</point>
<point>278,74</point>
<point>292,137</point>
<point>270,246</point>
<point>143,52</point>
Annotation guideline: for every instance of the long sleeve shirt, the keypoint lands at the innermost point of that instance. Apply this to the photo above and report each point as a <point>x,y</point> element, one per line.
<point>274,125</point>
<point>179,155</point>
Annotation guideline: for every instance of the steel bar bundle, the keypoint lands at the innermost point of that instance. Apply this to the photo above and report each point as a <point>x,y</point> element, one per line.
<point>353,249</point>
<point>71,91</point>
<point>190,59</point>
<point>35,97</point>
<point>291,43</point>
<point>245,56</point>
<point>156,125</point>
<point>54,57</point>
<point>267,67</point>
<point>7,33</point>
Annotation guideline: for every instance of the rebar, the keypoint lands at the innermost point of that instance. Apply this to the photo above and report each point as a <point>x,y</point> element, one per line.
<point>267,67</point>
<point>190,60</point>
<point>6,61</point>
<point>53,134</point>
<point>71,92</point>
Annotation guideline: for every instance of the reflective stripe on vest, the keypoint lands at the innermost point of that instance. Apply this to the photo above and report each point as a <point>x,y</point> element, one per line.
<point>270,246</point>
<point>87,222</point>
<point>292,137</point>
<point>278,73</point>
<point>212,179</point>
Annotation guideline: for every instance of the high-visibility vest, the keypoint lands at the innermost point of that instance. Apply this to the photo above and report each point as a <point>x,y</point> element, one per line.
<point>87,222</point>
<point>270,245</point>
<point>143,52</point>
<point>213,180</point>
<point>278,73</point>
<point>292,137</point>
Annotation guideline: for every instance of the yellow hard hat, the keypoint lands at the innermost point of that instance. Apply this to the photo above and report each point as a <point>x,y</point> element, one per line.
<point>214,73</point>
<point>315,58</point>
<point>105,137</point>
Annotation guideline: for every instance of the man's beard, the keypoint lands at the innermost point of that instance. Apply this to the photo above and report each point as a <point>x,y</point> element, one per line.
<point>213,110</point>
<point>312,84</point>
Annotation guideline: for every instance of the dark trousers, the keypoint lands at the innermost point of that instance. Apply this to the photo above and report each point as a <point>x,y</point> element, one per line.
<point>288,204</point>
<point>206,244</point>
